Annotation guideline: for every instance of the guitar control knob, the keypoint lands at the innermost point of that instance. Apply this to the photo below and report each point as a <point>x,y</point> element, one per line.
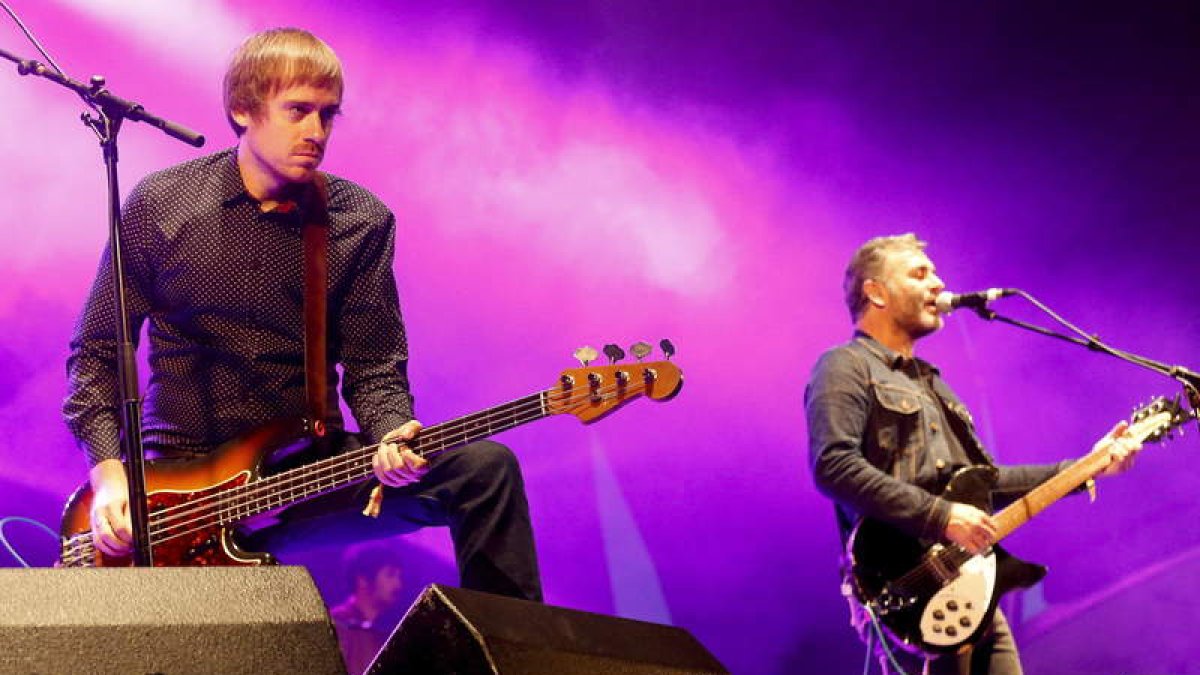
<point>951,631</point>
<point>964,621</point>
<point>939,614</point>
<point>952,605</point>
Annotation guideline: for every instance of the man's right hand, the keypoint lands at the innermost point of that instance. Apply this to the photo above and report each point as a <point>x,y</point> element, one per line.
<point>112,531</point>
<point>970,528</point>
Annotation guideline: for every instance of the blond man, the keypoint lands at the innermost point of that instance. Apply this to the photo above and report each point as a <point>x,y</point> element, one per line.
<point>215,265</point>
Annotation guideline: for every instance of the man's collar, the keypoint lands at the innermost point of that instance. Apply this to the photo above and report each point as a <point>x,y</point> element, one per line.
<point>232,189</point>
<point>890,358</point>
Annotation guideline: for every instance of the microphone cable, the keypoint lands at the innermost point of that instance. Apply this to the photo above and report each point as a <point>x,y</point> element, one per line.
<point>37,45</point>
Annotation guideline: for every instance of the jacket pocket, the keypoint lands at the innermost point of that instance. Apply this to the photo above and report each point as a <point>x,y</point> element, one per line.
<point>897,419</point>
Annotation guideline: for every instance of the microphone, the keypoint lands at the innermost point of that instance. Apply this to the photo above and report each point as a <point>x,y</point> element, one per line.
<point>948,302</point>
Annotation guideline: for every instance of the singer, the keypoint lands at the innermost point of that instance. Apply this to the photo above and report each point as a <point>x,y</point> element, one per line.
<point>886,433</point>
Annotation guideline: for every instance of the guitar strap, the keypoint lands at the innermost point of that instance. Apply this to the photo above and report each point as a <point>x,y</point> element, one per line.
<point>315,233</point>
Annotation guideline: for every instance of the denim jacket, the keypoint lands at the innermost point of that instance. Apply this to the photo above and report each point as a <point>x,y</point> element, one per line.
<point>876,442</point>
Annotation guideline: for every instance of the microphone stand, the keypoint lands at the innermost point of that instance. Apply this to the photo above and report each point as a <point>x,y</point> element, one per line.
<point>1189,379</point>
<point>110,112</point>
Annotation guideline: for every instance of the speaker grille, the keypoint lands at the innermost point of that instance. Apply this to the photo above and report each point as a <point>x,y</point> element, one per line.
<point>165,620</point>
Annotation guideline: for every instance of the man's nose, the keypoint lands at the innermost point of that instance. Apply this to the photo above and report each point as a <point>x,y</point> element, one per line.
<point>316,129</point>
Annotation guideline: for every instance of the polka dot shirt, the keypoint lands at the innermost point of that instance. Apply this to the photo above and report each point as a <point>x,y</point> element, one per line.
<point>221,284</point>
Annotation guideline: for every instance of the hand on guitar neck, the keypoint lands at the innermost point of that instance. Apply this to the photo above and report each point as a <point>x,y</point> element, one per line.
<point>395,465</point>
<point>1122,448</point>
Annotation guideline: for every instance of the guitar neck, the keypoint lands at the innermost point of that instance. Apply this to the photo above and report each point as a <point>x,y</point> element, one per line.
<point>1040,498</point>
<point>353,467</point>
<point>456,433</point>
<point>588,393</point>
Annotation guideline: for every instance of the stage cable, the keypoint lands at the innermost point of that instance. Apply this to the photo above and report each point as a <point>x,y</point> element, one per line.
<point>21,519</point>
<point>883,643</point>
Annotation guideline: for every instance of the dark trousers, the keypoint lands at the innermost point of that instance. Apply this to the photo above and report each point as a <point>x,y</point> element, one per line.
<point>476,490</point>
<point>994,654</point>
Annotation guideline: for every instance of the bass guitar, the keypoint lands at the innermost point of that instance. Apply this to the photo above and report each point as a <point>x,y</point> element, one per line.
<point>195,506</point>
<point>938,598</point>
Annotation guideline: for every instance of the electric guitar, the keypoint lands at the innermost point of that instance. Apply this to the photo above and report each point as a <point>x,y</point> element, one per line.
<point>194,506</point>
<point>935,599</point>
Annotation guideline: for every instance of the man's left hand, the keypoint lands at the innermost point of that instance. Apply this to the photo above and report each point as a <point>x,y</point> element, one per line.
<point>394,464</point>
<point>1122,448</point>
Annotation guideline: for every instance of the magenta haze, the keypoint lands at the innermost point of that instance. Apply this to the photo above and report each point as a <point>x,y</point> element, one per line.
<point>569,174</point>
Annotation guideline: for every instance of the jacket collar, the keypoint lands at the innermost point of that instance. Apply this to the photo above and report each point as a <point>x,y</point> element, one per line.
<point>891,358</point>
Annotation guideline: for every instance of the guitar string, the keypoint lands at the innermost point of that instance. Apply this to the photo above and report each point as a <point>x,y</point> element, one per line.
<point>924,571</point>
<point>435,439</point>
<point>351,466</point>
<point>345,464</point>
<point>954,556</point>
<point>338,466</point>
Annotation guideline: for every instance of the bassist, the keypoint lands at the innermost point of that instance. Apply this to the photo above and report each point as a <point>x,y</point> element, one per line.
<point>218,265</point>
<point>886,434</point>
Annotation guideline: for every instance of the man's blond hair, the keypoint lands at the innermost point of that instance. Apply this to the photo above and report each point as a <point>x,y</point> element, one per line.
<point>868,263</point>
<point>273,60</point>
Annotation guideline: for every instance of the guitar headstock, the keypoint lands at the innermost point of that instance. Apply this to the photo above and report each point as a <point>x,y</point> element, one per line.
<point>591,392</point>
<point>1155,420</point>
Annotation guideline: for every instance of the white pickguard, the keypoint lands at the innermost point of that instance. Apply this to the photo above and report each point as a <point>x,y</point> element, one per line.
<point>954,612</point>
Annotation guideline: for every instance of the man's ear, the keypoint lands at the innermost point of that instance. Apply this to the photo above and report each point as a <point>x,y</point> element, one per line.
<point>242,117</point>
<point>875,292</point>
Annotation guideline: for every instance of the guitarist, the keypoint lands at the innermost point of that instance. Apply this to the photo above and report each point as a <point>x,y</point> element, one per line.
<point>886,433</point>
<point>216,265</point>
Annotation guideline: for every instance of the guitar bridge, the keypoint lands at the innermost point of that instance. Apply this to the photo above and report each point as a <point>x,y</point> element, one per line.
<point>888,601</point>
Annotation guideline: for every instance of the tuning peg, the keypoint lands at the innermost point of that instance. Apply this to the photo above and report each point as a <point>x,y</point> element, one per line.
<point>585,355</point>
<point>614,353</point>
<point>667,347</point>
<point>640,350</point>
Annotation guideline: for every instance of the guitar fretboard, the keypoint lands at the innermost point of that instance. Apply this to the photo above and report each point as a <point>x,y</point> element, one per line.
<point>1043,496</point>
<point>311,480</point>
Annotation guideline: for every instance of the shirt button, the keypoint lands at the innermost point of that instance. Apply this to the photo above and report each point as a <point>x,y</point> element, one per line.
<point>940,464</point>
<point>933,426</point>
